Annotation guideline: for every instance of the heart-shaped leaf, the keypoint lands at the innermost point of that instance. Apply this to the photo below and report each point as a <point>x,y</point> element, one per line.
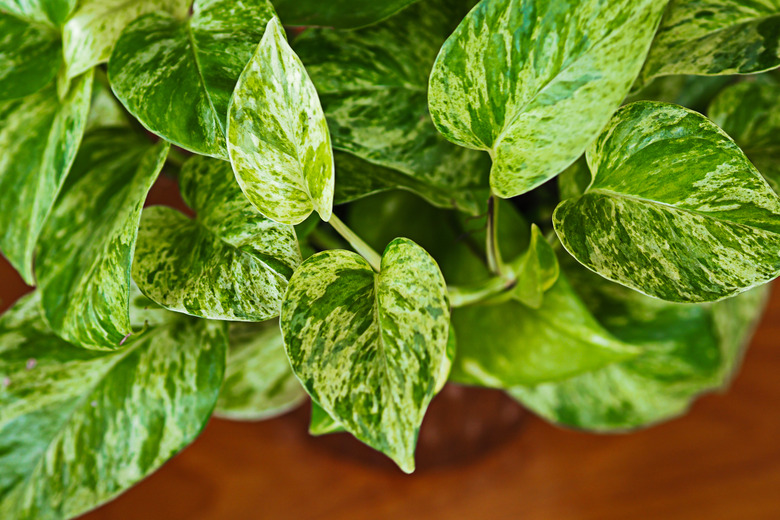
<point>337,13</point>
<point>78,427</point>
<point>258,381</point>
<point>369,347</point>
<point>91,32</point>
<point>176,75</point>
<point>278,137</point>
<point>373,86</point>
<point>30,56</point>
<point>750,113</point>
<point>39,136</point>
<point>229,263</point>
<point>533,81</point>
<point>86,248</point>
<point>674,210</point>
<point>715,37</point>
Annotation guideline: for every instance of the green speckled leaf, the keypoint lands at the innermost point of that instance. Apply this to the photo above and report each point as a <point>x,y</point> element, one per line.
<point>536,270</point>
<point>86,248</point>
<point>30,56</point>
<point>278,137</point>
<point>750,113</point>
<point>373,86</point>
<point>687,350</point>
<point>337,13</point>
<point>510,344</point>
<point>176,75</point>
<point>229,263</point>
<point>369,347</point>
<point>258,381</point>
<point>39,136</point>
<point>534,81</point>
<point>715,37</point>
<point>674,210</point>
<point>78,427</point>
<point>46,12</point>
<point>90,34</point>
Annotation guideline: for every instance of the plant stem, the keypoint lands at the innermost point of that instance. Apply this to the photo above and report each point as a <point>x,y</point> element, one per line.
<point>495,263</point>
<point>460,296</point>
<point>371,256</point>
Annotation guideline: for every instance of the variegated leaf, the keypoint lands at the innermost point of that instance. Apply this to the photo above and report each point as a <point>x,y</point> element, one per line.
<point>674,210</point>
<point>715,37</point>
<point>369,347</point>
<point>258,381</point>
<point>337,13</point>
<point>78,427</point>
<point>750,113</point>
<point>510,344</point>
<point>46,12</point>
<point>86,248</point>
<point>90,34</point>
<point>278,138</point>
<point>686,350</point>
<point>533,81</point>
<point>176,75</point>
<point>39,136</point>
<point>30,56</point>
<point>373,86</point>
<point>536,270</point>
<point>229,263</point>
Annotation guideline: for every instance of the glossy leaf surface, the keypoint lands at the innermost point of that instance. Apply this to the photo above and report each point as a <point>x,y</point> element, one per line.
<point>30,56</point>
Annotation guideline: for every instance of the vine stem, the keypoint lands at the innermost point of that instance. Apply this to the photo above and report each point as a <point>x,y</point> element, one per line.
<point>371,256</point>
<point>495,263</point>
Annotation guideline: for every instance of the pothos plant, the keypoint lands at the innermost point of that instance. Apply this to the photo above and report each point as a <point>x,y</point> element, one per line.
<point>606,299</point>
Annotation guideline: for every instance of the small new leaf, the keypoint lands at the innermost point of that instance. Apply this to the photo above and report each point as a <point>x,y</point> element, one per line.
<point>536,270</point>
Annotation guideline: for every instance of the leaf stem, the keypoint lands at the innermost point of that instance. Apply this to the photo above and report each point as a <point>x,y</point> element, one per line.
<point>371,256</point>
<point>495,263</point>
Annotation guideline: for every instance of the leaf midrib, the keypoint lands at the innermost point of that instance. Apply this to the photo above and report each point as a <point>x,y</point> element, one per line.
<point>194,50</point>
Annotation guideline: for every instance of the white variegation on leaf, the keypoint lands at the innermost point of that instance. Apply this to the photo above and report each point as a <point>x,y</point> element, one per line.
<point>369,347</point>
<point>533,81</point>
<point>278,138</point>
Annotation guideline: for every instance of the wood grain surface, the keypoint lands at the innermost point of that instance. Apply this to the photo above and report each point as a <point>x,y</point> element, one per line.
<point>721,461</point>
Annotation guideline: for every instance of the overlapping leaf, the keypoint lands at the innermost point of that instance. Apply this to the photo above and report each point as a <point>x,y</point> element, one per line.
<point>686,350</point>
<point>30,55</point>
<point>536,270</point>
<point>46,12</point>
<point>90,34</point>
<point>83,264</point>
<point>715,37</point>
<point>369,347</point>
<point>373,86</point>
<point>533,82</point>
<point>39,136</point>
<point>229,263</point>
<point>177,75</point>
<point>78,427</point>
<point>337,13</point>
<point>278,137</point>
<point>258,380</point>
<point>674,210</point>
<point>750,113</point>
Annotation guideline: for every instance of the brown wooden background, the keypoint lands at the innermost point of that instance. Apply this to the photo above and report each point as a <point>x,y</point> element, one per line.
<point>721,461</point>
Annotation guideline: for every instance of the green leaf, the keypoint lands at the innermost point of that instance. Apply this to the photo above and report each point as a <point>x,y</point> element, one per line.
<point>30,56</point>
<point>90,34</point>
<point>78,427</point>
<point>46,12</point>
<point>750,113</point>
<point>86,248</point>
<point>337,13</point>
<point>278,137</point>
<point>39,136</point>
<point>258,381</point>
<point>674,210</point>
<point>715,37</point>
<point>176,75</point>
<point>373,87</point>
<point>229,263</point>
<point>687,350</point>
<point>533,82</point>
<point>105,110</point>
<point>369,347</point>
<point>510,344</point>
<point>536,270</point>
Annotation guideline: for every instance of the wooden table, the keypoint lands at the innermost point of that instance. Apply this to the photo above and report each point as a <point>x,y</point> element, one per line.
<point>722,461</point>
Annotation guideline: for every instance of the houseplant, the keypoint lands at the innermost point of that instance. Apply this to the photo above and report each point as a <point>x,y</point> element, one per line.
<point>602,264</point>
